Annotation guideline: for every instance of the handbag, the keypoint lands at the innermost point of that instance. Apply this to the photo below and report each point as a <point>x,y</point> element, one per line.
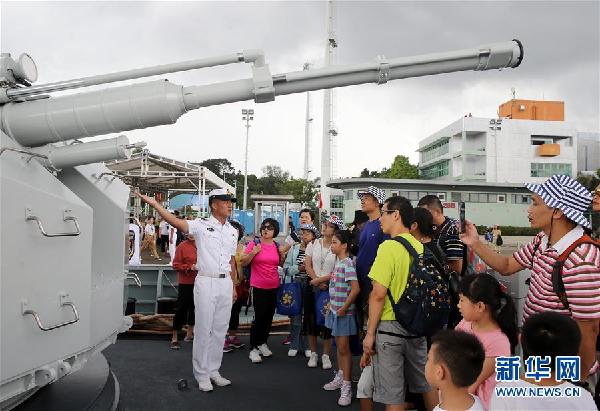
<point>499,240</point>
<point>289,297</point>
<point>321,306</point>
<point>243,292</point>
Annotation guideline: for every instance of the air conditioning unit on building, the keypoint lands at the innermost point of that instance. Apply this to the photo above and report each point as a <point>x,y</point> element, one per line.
<point>501,198</point>
<point>441,196</point>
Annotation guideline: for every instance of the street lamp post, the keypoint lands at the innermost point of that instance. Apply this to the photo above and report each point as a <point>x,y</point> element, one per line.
<point>247,116</point>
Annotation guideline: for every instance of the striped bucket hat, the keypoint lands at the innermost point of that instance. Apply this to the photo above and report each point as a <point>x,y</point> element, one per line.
<point>378,193</point>
<point>311,228</point>
<point>566,194</point>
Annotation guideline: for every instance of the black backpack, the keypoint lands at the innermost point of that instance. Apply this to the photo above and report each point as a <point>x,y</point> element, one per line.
<point>424,307</point>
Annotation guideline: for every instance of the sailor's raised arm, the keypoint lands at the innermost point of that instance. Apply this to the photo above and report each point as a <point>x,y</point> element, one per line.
<point>164,213</point>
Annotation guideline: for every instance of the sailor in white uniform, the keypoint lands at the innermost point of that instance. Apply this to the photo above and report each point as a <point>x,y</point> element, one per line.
<point>214,292</point>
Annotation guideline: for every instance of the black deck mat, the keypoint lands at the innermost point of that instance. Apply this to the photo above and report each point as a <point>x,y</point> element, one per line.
<point>148,371</point>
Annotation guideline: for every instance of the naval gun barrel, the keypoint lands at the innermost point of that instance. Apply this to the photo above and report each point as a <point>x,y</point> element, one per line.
<point>76,154</point>
<point>136,106</point>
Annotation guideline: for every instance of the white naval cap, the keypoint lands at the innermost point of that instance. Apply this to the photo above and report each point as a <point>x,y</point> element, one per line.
<point>221,194</point>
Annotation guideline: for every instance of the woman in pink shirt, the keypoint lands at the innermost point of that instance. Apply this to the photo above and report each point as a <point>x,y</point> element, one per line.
<point>264,257</point>
<point>490,315</point>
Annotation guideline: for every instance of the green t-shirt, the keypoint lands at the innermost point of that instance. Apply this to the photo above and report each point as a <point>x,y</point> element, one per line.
<point>391,268</point>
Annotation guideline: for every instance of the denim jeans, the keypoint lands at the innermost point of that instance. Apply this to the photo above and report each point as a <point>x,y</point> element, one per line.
<point>298,341</point>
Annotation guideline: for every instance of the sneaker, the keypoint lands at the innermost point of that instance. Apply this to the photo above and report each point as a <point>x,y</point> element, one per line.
<point>314,358</point>
<point>307,353</point>
<point>227,346</point>
<point>205,385</point>
<point>264,350</point>
<point>174,345</point>
<point>326,362</point>
<point>235,342</point>
<point>219,380</point>
<point>336,383</point>
<point>292,352</point>
<point>345,394</point>
<point>255,356</point>
<point>287,340</point>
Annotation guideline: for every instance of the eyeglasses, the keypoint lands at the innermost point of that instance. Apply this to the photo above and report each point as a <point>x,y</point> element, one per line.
<point>388,211</point>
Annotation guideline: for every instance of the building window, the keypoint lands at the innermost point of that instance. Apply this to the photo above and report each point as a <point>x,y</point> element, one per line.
<point>340,214</point>
<point>538,140</point>
<point>521,199</point>
<point>549,169</point>
<point>337,201</point>
<point>479,197</point>
<point>437,170</point>
<point>438,149</point>
<point>455,197</point>
<point>348,194</point>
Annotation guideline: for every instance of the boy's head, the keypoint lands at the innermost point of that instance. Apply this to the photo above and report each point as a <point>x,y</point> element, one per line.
<point>550,334</point>
<point>397,212</point>
<point>455,359</point>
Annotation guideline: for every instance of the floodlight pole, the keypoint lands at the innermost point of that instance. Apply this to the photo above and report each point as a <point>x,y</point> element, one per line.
<point>247,116</point>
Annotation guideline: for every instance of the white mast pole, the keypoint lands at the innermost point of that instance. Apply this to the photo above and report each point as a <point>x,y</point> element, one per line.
<point>326,157</point>
<point>307,132</point>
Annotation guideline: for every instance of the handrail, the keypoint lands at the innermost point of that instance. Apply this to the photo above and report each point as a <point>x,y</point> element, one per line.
<point>77,231</point>
<point>22,151</point>
<point>130,275</point>
<point>39,321</point>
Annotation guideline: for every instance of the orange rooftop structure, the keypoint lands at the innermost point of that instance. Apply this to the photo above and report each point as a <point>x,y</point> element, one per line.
<point>533,110</point>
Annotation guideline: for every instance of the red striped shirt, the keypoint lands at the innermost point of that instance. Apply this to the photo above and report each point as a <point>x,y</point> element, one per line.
<point>580,273</point>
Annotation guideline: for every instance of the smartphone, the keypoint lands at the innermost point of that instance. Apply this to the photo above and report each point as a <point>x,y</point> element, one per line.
<point>463,225</point>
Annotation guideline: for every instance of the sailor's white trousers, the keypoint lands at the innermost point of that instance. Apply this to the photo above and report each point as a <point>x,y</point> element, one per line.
<point>213,301</point>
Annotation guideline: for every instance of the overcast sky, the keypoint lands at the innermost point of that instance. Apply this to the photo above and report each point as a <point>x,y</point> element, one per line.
<point>375,123</point>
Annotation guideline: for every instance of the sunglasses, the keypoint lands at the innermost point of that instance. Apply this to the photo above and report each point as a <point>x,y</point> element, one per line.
<point>267,227</point>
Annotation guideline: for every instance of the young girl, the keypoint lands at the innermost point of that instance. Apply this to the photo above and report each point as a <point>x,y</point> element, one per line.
<point>343,290</point>
<point>490,315</point>
<point>294,264</point>
<point>319,262</point>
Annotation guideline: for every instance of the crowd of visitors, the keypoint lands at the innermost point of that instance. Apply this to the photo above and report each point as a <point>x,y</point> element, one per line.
<point>397,266</point>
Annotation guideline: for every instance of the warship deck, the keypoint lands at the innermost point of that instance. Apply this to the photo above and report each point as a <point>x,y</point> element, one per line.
<point>148,372</point>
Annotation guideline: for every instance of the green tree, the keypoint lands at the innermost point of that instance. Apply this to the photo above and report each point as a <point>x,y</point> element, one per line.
<point>589,181</point>
<point>219,166</point>
<point>366,173</point>
<point>302,190</point>
<point>400,168</point>
<point>273,180</point>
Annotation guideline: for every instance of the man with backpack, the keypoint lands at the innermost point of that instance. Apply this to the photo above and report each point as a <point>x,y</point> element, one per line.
<point>398,357</point>
<point>564,262</point>
<point>446,235</point>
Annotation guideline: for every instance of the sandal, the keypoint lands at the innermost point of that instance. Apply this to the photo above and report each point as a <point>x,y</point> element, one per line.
<point>188,339</point>
<point>174,345</point>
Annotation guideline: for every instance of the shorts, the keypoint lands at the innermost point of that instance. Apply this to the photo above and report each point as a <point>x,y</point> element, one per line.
<point>399,361</point>
<point>365,387</point>
<point>341,326</point>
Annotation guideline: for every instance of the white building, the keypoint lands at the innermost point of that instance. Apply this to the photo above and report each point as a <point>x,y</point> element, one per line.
<point>588,148</point>
<point>505,150</point>
<point>515,151</point>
